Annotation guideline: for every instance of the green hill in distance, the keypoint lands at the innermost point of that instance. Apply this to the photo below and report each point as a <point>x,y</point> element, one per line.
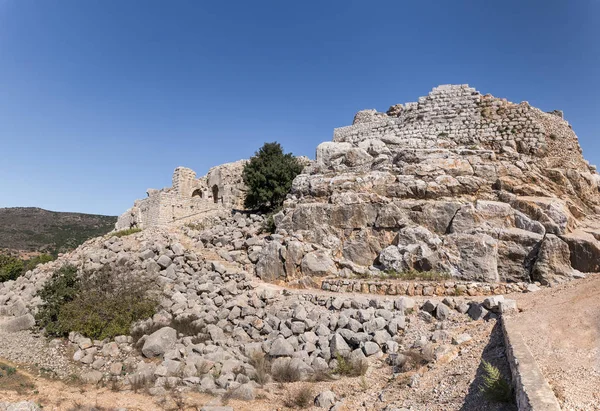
<point>32,230</point>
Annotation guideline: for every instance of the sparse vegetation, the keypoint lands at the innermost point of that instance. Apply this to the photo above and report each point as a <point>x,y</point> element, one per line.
<point>139,382</point>
<point>495,387</point>
<point>268,176</point>
<point>416,275</point>
<point>126,232</point>
<point>412,360</point>
<point>321,376</point>
<point>261,368</point>
<point>285,371</point>
<point>100,305</point>
<point>350,368</point>
<point>302,398</point>
<point>268,225</point>
<point>7,370</point>
<point>12,267</point>
<point>11,380</point>
<point>553,136</point>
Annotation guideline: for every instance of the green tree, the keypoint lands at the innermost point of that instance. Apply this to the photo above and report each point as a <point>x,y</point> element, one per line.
<point>268,176</point>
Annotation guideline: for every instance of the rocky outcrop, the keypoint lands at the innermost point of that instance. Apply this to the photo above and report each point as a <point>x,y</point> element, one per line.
<point>459,182</point>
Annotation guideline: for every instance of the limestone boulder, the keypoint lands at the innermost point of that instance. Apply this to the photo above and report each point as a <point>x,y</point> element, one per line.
<point>319,264</point>
<point>159,342</point>
<point>474,257</point>
<point>270,265</point>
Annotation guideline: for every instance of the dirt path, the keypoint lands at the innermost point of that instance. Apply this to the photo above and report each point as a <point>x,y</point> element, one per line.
<point>561,326</point>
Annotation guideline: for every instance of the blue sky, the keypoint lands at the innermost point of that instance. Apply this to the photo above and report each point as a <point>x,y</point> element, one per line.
<point>102,99</point>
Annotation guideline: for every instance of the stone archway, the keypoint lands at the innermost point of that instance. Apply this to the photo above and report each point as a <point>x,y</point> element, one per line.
<point>197,193</point>
<point>215,192</point>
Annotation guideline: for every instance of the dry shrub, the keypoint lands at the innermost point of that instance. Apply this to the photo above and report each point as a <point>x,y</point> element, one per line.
<point>139,382</point>
<point>413,359</point>
<point>351,368</point>
<point>261,365</point>
<point>321,376</point>
<point>285,371</point>
<point>302,398</point>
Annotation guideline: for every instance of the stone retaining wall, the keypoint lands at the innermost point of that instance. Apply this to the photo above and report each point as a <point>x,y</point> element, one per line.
<point>532,391</point>
<point>425,288</point>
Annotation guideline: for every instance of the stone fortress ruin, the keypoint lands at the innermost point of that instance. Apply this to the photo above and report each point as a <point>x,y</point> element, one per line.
<point>189,198</point>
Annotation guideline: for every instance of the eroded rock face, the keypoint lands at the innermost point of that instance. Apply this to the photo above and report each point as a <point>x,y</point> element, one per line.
<point>459,182</point>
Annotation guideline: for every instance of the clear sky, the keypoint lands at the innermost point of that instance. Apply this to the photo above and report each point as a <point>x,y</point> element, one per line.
<point>102,99</point>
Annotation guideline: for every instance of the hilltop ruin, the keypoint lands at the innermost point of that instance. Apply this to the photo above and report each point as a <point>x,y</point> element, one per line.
<point>221,189</point>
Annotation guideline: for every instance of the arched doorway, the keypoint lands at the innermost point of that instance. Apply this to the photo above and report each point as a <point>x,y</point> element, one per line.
<point>215,191</point>
<point>197,193</point>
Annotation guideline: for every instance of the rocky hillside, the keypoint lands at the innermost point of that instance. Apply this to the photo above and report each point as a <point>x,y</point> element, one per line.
<point>459,182</point>
<point>33,229</point>
<point>440,207</point>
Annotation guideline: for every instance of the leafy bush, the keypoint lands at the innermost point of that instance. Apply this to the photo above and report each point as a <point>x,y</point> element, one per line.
<point>101,305</point>
<point>37,260</point>
<point>123,233</point>
<point>268,176</point>
<point>495,388</point>
<point>10,268</point>
<point>61,289</point>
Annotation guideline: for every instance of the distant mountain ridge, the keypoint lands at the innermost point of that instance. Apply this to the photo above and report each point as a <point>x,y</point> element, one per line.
<point>32,229</point>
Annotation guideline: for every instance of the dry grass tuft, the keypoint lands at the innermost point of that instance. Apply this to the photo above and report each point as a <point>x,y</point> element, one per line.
<point>303,398</point>
<point>285,371</point>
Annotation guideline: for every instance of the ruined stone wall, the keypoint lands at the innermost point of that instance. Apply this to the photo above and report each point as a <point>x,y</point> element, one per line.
<point>189,197</point>
<point>455,116</point>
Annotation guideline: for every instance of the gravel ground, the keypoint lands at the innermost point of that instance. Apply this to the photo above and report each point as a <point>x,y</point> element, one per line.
<point>560,326</point>
<point>33,351</point>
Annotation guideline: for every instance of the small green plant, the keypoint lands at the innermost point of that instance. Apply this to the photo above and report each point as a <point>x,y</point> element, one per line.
<point>196,226</point>
<point>443,135</point>
<point>302,398</point>
<point>365,275</point>
<point>268,225</point>
<point>7,370</point>
<point>458,292</point>
<point>350,368</point>
<point>495,388</point>
<point>123,233</point>
<point>553,136</point>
